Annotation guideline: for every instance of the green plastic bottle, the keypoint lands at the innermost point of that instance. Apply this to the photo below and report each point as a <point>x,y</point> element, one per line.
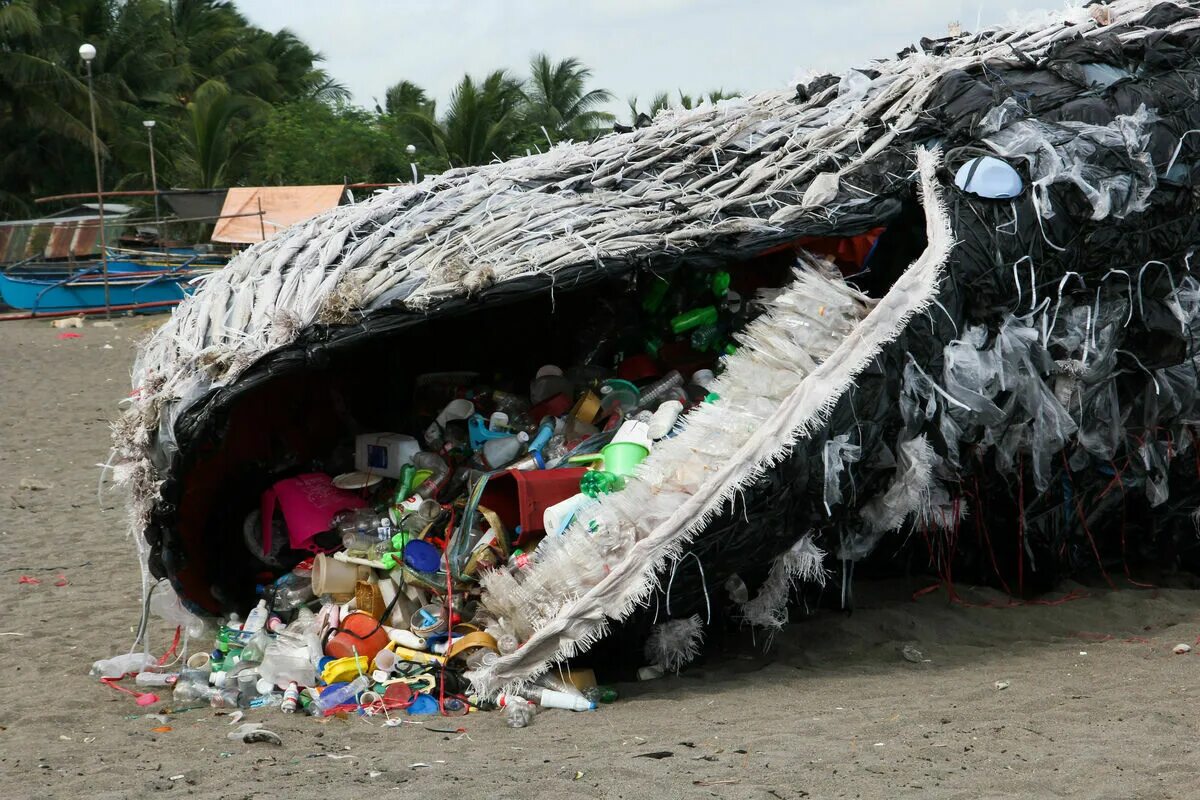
<point>706,315</point>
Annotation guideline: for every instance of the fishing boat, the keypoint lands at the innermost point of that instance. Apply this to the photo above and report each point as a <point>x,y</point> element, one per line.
<point>83,292</point>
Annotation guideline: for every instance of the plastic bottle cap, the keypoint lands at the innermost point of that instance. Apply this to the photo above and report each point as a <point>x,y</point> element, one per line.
<point>422,556</point>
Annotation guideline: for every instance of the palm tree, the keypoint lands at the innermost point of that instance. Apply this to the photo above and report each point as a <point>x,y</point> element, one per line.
<point>482,123</point>
<point>406,97</point>
<point>213,140</point>
<point>559,103</point>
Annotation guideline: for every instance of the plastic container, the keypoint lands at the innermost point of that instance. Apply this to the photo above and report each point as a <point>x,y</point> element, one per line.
<point>499,453</point>
<point>333,577</point>
<point>549,698</point>
<point>256,620</point>
<point>358,635</point>
<point>117,666</point>
<point>291,699</point>
<point>384,454</point>
<point>520,497</point>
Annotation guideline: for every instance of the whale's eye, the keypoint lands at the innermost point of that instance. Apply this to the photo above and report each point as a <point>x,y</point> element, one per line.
<point>989,177</point>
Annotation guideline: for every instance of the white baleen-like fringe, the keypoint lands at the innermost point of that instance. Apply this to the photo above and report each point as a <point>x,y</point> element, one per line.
<point>802,563</point>
<point>697,486</point>
<point>674,643</point>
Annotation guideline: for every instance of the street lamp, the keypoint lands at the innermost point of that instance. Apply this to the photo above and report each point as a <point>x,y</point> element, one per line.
<point>412,150</point>
<point>87,52</point>
<point>149,125</point>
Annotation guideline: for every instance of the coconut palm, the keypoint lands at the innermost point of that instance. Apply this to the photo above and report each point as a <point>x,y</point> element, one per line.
<point>483,122</point>
<point>560,102</point>
<point>213,138</point>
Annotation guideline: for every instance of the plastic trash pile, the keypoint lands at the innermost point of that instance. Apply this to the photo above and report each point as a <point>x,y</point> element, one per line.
<point>368,601</point>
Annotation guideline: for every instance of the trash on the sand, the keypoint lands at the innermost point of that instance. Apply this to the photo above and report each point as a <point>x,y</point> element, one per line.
<point>439,442</point>
<point>254,733</point>
<point>67,322</point>
<point>161,729</point>
<point>35,484</point>
<point>28,580</point>
<point>912,654</point>
<point>70,336</point>
<point>1182,648</point>
<point>657,754</point>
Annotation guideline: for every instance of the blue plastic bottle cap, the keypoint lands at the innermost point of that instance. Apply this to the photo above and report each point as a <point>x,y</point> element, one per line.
<point>322,663</point>
<point>422,556</point>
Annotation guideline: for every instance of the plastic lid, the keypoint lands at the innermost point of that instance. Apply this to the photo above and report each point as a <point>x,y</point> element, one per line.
<point>422,556</point>
<point>548,370</point>
<point>989,177</point>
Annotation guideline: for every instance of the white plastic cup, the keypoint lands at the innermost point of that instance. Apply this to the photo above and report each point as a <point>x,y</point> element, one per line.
<point>385,661</point>
<point>199,661</point>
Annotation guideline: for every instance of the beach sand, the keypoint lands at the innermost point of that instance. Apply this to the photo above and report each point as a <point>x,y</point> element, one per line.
<point>1096,704</point>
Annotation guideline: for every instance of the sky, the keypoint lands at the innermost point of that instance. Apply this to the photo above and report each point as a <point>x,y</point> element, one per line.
<point>634,47</point>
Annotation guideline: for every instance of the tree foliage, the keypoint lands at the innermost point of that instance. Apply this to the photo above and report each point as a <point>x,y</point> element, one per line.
<point>236,104</point>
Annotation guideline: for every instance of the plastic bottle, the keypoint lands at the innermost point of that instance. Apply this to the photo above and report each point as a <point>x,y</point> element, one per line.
<point>156,679</point>
<point>291,699</point>
<point>600,694</point>
<point>256,648</point>
<point>507,643</point>
<point>664,419</point>
<point>268,700</point>
<point>544,433</point>
<point>118,666</point>
<point>694,318</point>
<point>332,698</point>
<point>653,394</point>
<point>430,487</point>
<point>426,513</point>
<point>223,698</point>
<point>549,698</point>
<point>518,712</point>
<point>256,620</point>
<point>498,453</point>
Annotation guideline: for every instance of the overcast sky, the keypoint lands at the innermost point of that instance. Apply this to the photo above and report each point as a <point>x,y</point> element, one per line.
<point>635,47</point>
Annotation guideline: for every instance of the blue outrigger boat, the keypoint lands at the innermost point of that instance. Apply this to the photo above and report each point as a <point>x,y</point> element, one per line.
<point>134,286</point>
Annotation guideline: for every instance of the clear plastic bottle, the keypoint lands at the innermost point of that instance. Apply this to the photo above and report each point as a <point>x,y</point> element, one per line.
<point>429,488</point>
<point>332,698</point>
<point>518,712</point>
<point>653,394</point>
<point>256,648</point>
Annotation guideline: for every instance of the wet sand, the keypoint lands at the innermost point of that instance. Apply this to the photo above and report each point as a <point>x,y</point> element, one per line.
<point>1096,704</point>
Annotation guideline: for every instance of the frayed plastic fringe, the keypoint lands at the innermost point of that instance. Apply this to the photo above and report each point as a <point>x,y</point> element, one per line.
<point>582,621</point>
<point>675,643</point>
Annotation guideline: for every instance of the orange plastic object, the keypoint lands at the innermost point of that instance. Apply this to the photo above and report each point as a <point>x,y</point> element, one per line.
<point>359,635</point>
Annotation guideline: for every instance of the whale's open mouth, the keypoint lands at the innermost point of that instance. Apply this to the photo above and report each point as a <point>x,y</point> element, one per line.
<point>793,362</point>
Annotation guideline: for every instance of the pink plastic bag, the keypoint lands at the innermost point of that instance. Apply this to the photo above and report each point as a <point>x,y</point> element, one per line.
<point>309,503</point>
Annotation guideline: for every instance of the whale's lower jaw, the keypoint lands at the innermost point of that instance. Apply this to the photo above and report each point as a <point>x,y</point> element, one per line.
<point>794,364</point>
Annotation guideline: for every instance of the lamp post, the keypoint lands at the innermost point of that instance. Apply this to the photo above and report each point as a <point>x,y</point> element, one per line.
<point>87,52</point>
<point>149,125</point>
<point>412,150</point>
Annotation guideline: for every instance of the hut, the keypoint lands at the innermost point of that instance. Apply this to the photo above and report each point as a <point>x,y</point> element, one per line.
<point>1007,380</point>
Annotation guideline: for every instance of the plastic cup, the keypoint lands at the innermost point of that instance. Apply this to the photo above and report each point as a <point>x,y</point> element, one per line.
<point>622,458</point>
<point>333,577</point>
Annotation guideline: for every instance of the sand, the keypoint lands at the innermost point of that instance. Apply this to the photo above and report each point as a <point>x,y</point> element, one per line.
<point>1096,704</point>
